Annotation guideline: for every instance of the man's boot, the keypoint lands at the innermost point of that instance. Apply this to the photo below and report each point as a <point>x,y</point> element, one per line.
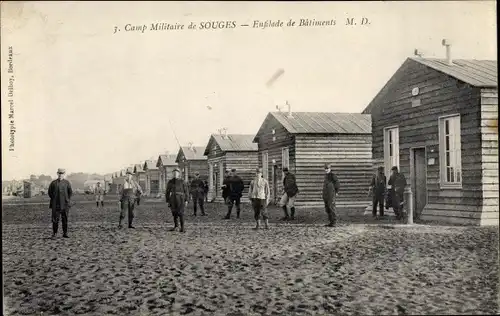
<point>266,224</point>
<point>229,209</point>
<point>176,224</point>
<point>238,214</point>
<point>182,224</point>
<point>257,222</point>
<point>54,230</point>
<point>285,210</point>
<point>120,223</point>
<point>292,211</point>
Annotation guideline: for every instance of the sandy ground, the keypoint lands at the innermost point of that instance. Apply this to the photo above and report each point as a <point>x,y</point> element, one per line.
<point>225,268</point>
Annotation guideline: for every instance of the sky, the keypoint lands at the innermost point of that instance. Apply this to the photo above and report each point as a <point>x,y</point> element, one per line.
<point>88,100</point>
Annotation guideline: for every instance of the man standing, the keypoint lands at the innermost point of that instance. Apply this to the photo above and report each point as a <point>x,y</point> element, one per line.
<point>378,188</point>
<point>288,198</point>
<point>128,195</point>
<point>206,188</point>
<point>99,194</point>
<point>197,191</point>
<point>176,195</point>
<point>60,193</point>
<point>236,188</point>
<point>330,190</point>
<point>259,195</point>
<point>397,184</point>
<point>225,187</point>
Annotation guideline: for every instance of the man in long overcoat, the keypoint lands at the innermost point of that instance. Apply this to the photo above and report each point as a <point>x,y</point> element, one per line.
<point>397,184</point>
<point>378,188</point>
<point>60,193</point>
<point>197,190</point>
<point>331,187</point>
<point>177,195</point>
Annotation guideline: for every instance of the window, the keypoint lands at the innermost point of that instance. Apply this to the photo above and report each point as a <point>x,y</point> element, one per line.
<point>285,157</point>
<point>450,152</point>
<point>265,165</point>
<point>391,149</point>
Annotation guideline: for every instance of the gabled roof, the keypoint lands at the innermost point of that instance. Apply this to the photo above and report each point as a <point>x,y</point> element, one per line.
<point>477,73</point>
<point>166,160</point>
<point>138,168</point>
<point>321,123</point>
<point>149,165</point>
<point>232,142</point>
<point>191,153</point>
<point>131,169</point>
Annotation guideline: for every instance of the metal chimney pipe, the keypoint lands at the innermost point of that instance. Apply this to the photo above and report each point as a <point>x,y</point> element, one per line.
<point>447,44</point>
<point>289,109</point>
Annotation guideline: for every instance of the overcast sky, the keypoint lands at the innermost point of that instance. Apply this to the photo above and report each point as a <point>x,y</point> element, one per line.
<point>92,101</point>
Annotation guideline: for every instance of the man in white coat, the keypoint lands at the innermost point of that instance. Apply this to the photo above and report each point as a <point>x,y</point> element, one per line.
<point>259,195</point>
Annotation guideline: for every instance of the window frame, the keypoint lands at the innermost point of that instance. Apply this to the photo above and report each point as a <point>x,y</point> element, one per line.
<point>388,162</point>
<point>455,151</point>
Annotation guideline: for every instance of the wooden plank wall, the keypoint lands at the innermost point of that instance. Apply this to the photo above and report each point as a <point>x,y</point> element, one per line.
<point>489,162</point>
<point>197,165</point>
<point>274,148</point>
<point>418,126</point>
<point>351,156</point>
<point>245,164</point>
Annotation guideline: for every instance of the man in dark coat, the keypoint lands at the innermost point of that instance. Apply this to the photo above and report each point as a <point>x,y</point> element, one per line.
<point>225,187</point>
<point>60,193</point>
<point>397,184</point>
<point>378,188</point>
<point>177,195</point>
<point>331,187</point>
<point>288,198</point>
<point>236,188</point>
<point>197,190</point>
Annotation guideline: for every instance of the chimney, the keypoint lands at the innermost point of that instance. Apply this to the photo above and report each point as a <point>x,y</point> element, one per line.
<point>224,133</point>
<point>447,43</point>
<point>418,52</point>
<point>289,109</point>
<point>190,145</point>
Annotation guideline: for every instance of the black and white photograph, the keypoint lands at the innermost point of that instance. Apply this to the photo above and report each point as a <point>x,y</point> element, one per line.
<point>249,158</point>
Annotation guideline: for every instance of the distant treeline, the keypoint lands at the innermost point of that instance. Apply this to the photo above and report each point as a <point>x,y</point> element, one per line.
<point>77,180</point>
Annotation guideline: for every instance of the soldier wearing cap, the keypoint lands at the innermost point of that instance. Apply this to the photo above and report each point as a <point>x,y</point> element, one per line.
<point>197,190</point>
<point>396,186</point>
<point>259,195</point>
<point>128,194</point>
<point>331,187</point>
<point>60,193</point>
<point>225,186</point>
<point>236,188</point>
<point>99,194</point>
<point>290,194</point>
<point>177,195</point>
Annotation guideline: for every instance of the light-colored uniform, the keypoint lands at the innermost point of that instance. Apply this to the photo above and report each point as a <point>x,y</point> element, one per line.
<point>99,194</point>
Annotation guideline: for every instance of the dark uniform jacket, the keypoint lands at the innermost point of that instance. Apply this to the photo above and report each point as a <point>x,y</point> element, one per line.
<point>378,184</point>
<point>331,187</point>
<point>226,189</point>
<point>197,188</point>
<point>60,193</point>
<point>177,192</point>
<point>398,183</point>
<point>290,185</point>
<point>236,186</point>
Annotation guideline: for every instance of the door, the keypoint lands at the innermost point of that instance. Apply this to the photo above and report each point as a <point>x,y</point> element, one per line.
<point>274,190</point>
<point>419,185</point>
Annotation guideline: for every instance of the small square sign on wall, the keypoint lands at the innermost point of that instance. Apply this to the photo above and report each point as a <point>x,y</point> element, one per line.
<point>431,161</point>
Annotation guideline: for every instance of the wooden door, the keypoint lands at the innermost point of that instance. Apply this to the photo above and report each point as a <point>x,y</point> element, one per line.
<point>419,185</point>
<point>274,189</point>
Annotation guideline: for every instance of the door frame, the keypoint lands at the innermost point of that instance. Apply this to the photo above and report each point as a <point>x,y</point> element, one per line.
<point>413,178</point>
